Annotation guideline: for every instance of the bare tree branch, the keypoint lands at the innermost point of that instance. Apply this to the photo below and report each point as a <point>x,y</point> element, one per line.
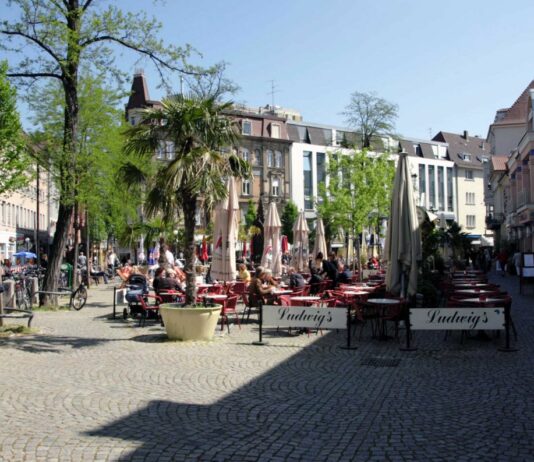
<point>150,54</point>
<point>35,75</point>
<point>34,40</point>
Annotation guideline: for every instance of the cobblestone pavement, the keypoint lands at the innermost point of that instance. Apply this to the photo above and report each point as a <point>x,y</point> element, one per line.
<point>90,388</point>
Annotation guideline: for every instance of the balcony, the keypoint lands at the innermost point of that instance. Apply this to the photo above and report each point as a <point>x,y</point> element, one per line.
<point>494,220</point>
<point>523,198</point>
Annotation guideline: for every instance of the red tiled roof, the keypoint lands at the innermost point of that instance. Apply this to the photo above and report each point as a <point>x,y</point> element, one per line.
<point>499,163</point>
<point>519,110</point>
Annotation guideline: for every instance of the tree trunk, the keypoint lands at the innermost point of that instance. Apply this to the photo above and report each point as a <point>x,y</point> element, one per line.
<point>56,255</point>
<point>189,208</point>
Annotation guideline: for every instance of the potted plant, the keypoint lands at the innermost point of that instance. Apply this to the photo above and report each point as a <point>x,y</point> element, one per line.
<point>189,322</point>
<point>196,130</point>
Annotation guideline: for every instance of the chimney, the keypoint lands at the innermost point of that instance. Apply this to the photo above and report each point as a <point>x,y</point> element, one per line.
<point>466,135</point>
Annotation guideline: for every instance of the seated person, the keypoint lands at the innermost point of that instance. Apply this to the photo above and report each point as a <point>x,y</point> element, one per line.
<point>315,280</point>
<point>268,278</point>
<point>95,272</point>
<point>256,290</point>
<point>296,280</point>
<point>243,274</point>
<point>164,281</point>
<point>345,275</point>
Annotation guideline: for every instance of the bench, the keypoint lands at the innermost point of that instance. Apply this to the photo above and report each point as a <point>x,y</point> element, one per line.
<point>15,313</point>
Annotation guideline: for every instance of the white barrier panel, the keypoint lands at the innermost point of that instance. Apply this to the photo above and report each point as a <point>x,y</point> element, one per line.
<point>120,297</point>
<point>457,318</point>
<point>304,317</point>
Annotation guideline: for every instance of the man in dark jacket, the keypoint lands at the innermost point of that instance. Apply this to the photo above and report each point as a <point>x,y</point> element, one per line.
<point>295,279</point>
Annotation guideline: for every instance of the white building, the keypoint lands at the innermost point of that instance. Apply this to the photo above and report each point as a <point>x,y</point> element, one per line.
<point>434,177</point>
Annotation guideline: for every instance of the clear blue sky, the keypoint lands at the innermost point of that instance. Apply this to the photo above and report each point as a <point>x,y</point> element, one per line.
<point>448,65</point>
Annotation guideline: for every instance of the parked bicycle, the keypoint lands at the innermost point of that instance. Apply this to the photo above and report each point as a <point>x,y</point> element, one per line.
<point>78,295</point>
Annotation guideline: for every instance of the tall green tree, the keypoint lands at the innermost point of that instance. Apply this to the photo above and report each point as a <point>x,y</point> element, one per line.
<point>359,188</point>
<point>196,176</point>
<point>14,161</point>
<point>57,39</point>
<point>288,219</point>
<point>370,115</point>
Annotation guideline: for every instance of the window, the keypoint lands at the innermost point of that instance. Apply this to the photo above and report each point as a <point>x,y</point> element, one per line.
<point>169,148</point>
<point>441,189</point>
<point>275,190</point>
<point>308,188</point>
<point>245,188</point>
<point>278,159</point>
<point>269,158</point>
<point>275,131</point>
<point>469,174</point>
<point>422,179</point>
<point>321,167</point>
<point>160,151</point>
<point>133,120</point>
<point>449,190</point>
<point>431,186</point>
<point>257,157</point>
<point>245,154</point>
<point>470,198</point>
<point>467,157</point>
<point>246,127</point>
<point>470,221</point>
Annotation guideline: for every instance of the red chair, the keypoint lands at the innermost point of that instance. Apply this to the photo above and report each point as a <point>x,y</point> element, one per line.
<point>306,290</point>
<point>147,308</point>
<point>229,306</point>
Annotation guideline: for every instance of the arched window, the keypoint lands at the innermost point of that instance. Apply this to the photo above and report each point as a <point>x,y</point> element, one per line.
<point>275,187</point>
<point>278,159</point>
<point>245,154</point>
<point>269,158</point>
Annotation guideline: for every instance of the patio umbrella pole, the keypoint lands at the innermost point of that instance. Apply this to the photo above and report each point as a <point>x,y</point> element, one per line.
<point>348,346</point>
<point>260,342</point>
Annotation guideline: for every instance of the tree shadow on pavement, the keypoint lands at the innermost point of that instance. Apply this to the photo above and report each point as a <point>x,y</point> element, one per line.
<point>51,343</point>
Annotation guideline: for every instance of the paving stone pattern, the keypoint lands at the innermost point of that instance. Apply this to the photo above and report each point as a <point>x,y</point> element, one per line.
<point>92,389</point>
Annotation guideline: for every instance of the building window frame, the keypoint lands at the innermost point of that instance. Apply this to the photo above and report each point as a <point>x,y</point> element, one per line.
<point>470,221</point>
<point>246,127</point>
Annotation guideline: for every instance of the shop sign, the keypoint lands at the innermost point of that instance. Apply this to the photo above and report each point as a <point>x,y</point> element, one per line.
<point>304,317</point>
<point>457,318</point>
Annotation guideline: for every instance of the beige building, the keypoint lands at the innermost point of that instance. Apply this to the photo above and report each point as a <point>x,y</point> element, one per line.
<point>470,154</point>
<point>19,219</point>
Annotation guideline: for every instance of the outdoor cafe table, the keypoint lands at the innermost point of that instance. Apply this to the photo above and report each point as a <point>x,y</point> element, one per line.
<point>281,292</point>
<point>205,286</point>
<point>491,300</point>
<point>219,297</point>
<point>474,291</point>
<point>382,304</point>
<point>308,300</point>
<point>480,285</point>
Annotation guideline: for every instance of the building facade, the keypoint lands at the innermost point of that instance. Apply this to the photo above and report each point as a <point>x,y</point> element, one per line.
<point>469,155</point>
<point>21,224</point>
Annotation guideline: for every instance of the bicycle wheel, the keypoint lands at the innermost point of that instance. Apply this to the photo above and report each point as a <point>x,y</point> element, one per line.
<point>22,299</point>
<point>78,298</point>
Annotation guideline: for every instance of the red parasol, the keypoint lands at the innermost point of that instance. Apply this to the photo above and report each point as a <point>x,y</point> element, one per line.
<point>285,244</point>
<point>204,251</point>
<point>244,248</point>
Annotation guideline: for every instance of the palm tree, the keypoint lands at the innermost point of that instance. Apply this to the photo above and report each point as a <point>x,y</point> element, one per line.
<point>199,137</point>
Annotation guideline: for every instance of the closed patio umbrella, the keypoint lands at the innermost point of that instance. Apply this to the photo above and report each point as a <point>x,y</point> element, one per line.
<point>272,257</point>
<point>320,240</point>
<point>403,239</point>
<point>223,267</point>
<point>300,243</point>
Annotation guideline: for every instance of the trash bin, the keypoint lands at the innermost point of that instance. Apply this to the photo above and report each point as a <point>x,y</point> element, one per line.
<point>67,268</point>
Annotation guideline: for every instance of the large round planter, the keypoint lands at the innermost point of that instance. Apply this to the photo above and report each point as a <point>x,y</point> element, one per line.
<point>189,323</point>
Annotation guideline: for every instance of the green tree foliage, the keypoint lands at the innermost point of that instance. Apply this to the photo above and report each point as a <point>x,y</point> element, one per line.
<point>196,176</point>
<point>370,115</point>
<point>111,210</point>
<point>288,219</point>
<point>358,191</point>
<point>57,40</point>
<point>250,216</point>
<point>14,162</point>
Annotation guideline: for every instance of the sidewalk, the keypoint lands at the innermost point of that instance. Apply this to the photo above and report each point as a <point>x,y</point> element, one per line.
<point>89,388</point>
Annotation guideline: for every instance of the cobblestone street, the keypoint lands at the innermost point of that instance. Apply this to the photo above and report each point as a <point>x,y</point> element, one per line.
<point>90,388</point>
